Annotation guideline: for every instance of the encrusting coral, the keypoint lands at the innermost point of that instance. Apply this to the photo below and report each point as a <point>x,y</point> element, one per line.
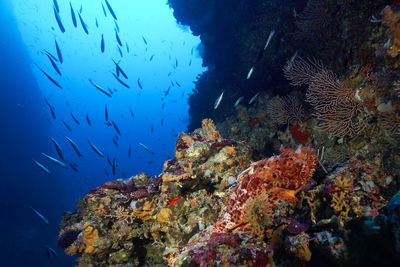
<point>212,205</point>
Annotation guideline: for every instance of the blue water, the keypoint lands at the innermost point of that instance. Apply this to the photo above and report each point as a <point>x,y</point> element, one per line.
<point>27,29</point>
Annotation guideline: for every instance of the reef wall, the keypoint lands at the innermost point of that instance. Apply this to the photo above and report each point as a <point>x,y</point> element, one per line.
<point>234,34</point>
<point>330,194</point>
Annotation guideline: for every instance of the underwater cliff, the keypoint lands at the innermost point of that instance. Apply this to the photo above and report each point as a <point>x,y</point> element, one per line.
<point>297,159</point>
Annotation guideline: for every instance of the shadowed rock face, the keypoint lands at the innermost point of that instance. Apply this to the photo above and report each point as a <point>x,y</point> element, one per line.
<point>234,33</point>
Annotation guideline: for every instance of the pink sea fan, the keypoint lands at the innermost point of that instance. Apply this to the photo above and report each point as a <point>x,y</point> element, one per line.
<point>336,105</point>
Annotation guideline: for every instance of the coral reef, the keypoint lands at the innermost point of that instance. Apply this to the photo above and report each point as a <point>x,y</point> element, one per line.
<point>212,205</point>
<point>309,177</point>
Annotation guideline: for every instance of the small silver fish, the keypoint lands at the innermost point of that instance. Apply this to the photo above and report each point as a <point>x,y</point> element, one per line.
<point>98,87</point>
<point>146,148</point>
<point>74,146</point>
<point>95,149</point>
<point>218,100</point>
<point>50,252</point>
<point>43,168</point>
<point>250,72</point>
<point>271,34</point>
<point>59,150</point>
<point>55,161</point>
<point>238,101</point>
<point>40,216</point>
<point>254,98</point>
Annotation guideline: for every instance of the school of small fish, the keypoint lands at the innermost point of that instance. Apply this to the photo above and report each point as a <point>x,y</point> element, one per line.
<point>105,43</point>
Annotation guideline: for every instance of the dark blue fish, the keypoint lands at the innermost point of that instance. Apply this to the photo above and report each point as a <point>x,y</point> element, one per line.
<point>104,10</point>
<point>191,51</point>
<point>53,63</point>
<point>129,151</point>
<point>44,219</point>
<point>80,10</point>
<point>127,48</point>
<point>146,148</point>
<point>56,161</point>
<point>133,115</point>
<point>102,44</point>
<point>106,113</point>
<point>152,128</point>
<point>151,58</point>
<point>119,70</point>
<point>116,127</point>
<point>59,150</point>
<point>140,85</point>
<point>50,78</point>
<point>60,58</point>
<point>73,16</point>
<point>88,120</point>
<point>74,118</point>
<point>50,252</point>
<point>116,25</point>
<point>121,82</point>
<point>95,149</point>
<point>106,172</point>
<point>43,168</point>
<point>114,166</point>
<point>74,146</point>
<point>163,105</point>
<point>123,174</point>
<point>178,84</point>
<point>190,62</point>
<point>74,166</point>
<point>176,62</point>
<point>97,23</point>
<point>53,115</point>
<point>115,141</point>
<point>144,40</point>
<point>117,37</point>
<point>120,52</point>
<point>58,19</point>
<point>111,10</point>
<point>83,24</point>
<point>162,121</point>
<point>51,55</point>
<point>100,89</point>
<point>109,161</point>
<point>56,7</point>
<point>66,125</point>
<point>166,93</point>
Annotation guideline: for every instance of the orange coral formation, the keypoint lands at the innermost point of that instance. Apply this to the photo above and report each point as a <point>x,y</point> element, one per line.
<point>144,212</point>
<point>208,130</point>
<point>344,184</point>
<point>164,215</point>
<point>90,235</point>
<point>339,204</point>
<point>230,150</point>
<point>281,177</point>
